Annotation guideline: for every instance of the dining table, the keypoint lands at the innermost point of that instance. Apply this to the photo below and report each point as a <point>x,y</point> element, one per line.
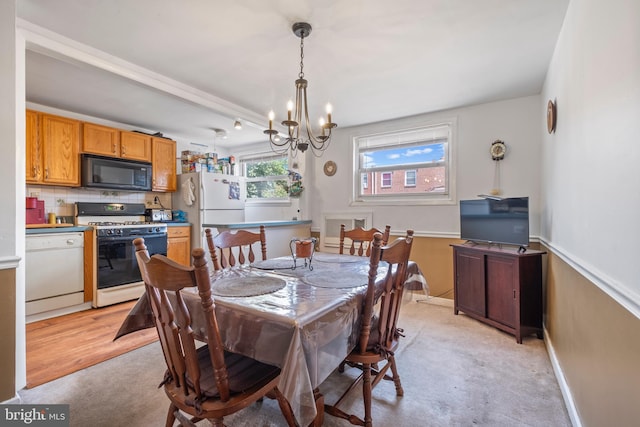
<point>302,317</point>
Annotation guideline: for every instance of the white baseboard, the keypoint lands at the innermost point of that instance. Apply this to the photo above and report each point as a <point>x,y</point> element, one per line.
<point>564,387</point>
<point>15,400</point>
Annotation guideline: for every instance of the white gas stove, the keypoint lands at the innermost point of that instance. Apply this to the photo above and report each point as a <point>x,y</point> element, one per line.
<point>117,277</point>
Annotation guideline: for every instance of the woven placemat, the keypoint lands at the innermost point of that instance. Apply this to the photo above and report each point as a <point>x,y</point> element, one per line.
<point>337,258</point>
<point>246,286</point>
<point>274,264</point>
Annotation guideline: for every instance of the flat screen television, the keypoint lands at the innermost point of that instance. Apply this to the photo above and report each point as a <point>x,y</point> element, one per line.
<point>494,220</point>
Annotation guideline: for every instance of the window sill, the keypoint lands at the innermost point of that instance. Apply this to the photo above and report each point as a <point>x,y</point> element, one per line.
<point>395,201</point>
<point>269,202</point>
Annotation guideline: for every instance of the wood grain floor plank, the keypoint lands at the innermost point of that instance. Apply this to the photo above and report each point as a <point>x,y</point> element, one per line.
<point>62,345</point>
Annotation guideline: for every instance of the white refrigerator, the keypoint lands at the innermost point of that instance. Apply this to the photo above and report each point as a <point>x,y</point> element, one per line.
<point>209,199</point>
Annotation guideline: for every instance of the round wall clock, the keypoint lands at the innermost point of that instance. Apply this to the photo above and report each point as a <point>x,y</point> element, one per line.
<point>497,150</point>
<point>330,168</point>
<point>551,116</point>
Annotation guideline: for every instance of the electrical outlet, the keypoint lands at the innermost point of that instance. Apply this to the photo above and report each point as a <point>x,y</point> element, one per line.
<point>35,194</point>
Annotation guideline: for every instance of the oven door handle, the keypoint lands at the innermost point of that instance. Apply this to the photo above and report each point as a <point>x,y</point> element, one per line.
<point>129,238</point>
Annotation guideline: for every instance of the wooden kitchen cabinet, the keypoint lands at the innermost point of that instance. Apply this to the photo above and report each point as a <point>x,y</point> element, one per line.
<point>52,147</point>
<point>500,287</point>
<point>101,140</point>
<point>179,244</point>
<point>112,142</point>
<point>135,146</point>
<point>33,147</point>
<point>163,159</point>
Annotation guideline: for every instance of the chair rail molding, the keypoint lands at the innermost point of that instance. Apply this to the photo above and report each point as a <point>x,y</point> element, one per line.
<point>622,295</point>
<point>9,262</point>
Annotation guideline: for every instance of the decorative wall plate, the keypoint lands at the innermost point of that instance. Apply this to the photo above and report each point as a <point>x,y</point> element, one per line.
<point>330,168</point>
<point>551,116</point>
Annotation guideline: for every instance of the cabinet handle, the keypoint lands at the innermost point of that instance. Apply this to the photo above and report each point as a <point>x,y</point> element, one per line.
<point>123,149</point>
<point>113,147</point>
<point>46,173</point>
<point>70,241</point>
<point>35,172</point>
<point>514,294</point>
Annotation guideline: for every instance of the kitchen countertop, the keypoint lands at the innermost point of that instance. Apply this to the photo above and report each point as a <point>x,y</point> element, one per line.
<point>70,228</point>
<point>238,225</point>
<point>57,228</point>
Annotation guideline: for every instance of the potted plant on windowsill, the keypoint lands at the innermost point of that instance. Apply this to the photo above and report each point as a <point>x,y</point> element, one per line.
<point>295,188</point>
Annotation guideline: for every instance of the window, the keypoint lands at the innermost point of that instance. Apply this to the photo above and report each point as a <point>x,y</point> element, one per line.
<point>386,179</point>
<point>405,166</point>
<point>410,178</point>
<point>266,177</point>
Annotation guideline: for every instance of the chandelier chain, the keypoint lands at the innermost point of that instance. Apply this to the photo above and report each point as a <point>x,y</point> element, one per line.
<point>301,74</point>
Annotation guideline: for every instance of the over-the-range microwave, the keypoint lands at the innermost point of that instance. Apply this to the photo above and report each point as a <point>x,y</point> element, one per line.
<point>117,174</point>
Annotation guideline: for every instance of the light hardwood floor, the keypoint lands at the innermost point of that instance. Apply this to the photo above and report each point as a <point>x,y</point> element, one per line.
<point>59,346</point>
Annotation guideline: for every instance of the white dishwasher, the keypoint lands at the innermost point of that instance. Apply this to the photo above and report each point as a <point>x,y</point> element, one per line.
<point>54,271</point>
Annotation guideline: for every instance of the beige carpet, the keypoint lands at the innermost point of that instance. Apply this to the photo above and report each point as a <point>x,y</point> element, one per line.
<point>455,372</point>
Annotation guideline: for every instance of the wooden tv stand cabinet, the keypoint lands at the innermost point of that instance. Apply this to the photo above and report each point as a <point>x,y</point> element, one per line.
<point>500,287</point>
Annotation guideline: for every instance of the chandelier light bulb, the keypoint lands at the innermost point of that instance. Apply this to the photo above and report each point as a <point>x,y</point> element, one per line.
<point>272,116</point>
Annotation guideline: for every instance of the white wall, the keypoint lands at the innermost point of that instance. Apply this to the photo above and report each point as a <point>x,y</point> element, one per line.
<point>12,172</point>
<point>516,121</point>
<point>591,165</point>
<point>12,156</point>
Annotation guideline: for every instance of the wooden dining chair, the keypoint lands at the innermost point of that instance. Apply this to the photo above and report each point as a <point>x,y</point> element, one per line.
<point>378,339</point>
<point>361,239</point>
<point>206,382</point>
<point>231,247</point>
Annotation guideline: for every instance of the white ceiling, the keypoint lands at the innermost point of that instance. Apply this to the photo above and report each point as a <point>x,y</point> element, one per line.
<point>184,68</point>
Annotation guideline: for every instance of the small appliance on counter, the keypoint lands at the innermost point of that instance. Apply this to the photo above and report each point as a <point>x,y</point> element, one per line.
<point>179,216</point>
<point>35,211</point>
<point>159,215</point>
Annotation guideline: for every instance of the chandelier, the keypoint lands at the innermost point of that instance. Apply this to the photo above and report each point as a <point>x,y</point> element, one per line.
<point>299,133</point>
